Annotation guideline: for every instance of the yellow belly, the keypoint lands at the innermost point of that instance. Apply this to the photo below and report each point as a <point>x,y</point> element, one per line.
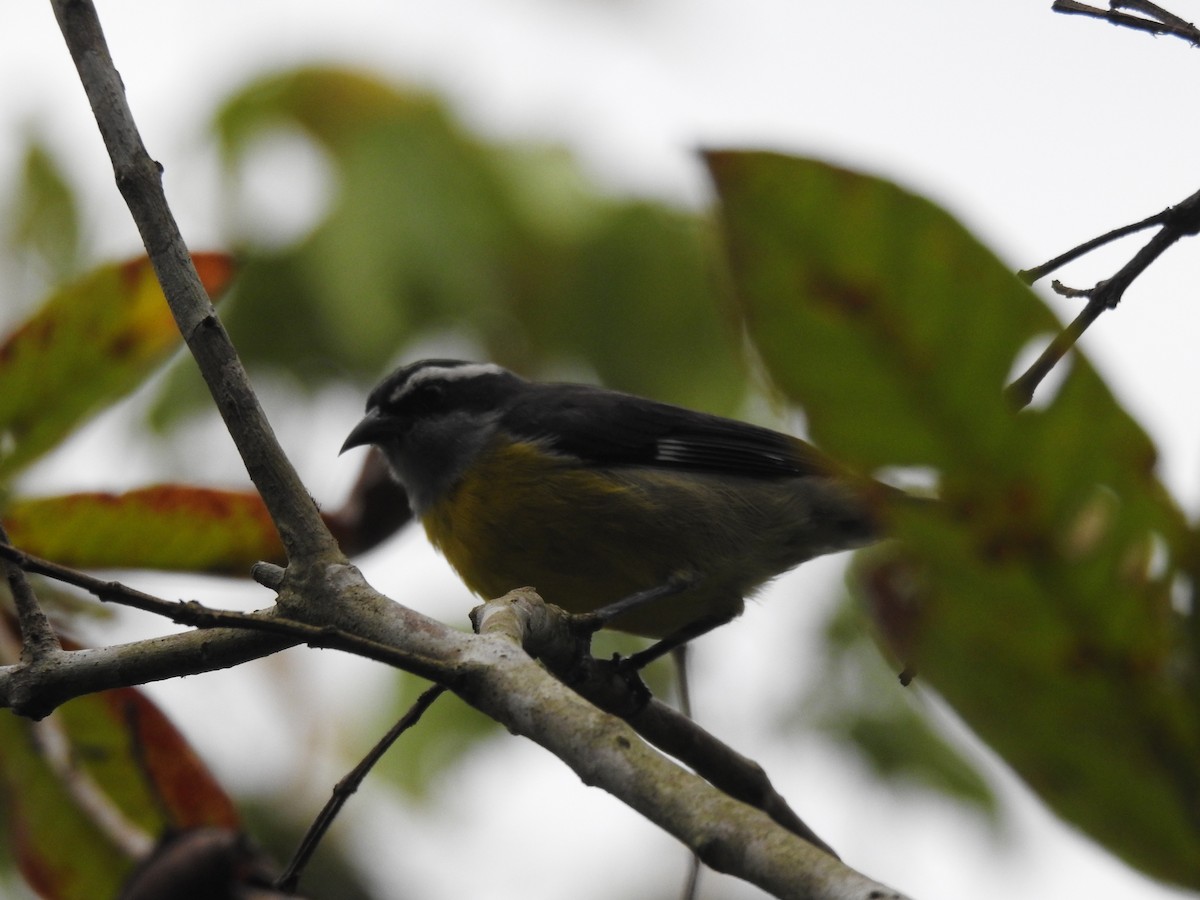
<point>583,539</point>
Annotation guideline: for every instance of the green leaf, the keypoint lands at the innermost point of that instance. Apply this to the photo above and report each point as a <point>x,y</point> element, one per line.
<point>1036,596</point>
<point>168,526</point>
<point>90,344</point>
<point>857,293</point>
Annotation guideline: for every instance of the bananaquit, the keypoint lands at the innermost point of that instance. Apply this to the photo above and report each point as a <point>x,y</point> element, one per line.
<point>592,496</point>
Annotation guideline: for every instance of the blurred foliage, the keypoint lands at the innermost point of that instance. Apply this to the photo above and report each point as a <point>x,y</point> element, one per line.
<point>1036,596</point>
<point>112,750</point>
<point>432,231</point>
<point>1035,599</point>
<point>43,227</point>
<point>858,703</point>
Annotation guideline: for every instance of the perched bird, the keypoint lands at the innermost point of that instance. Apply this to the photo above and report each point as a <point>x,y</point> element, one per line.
<point>591,495</point>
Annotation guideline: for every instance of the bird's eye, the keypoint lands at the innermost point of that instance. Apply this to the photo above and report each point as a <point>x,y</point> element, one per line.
<point>425,397</point>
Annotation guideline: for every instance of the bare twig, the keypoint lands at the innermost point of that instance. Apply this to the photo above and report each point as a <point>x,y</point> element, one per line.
<point>1153,10</point>
<point>197,615</point>
<point>38,639</point>
<point>1164,23</point>
<point>343,790</point>
<point>1064,290</point>
<point>1177,222</point>
<point>1029,276</point>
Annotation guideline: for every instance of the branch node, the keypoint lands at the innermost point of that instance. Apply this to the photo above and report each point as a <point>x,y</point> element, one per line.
<point>268,575</point>
<point>1064,290</point>
<point>38,639</point>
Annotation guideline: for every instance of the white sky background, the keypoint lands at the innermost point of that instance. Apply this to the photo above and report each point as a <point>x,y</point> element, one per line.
<point>1039,130</point>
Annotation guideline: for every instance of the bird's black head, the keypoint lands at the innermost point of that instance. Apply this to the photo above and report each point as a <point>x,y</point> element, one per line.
<point>430,417</point>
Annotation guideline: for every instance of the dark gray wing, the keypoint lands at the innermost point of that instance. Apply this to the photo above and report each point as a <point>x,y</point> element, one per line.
<point>609,428</point>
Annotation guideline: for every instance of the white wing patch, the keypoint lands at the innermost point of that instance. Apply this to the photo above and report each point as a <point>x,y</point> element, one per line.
<point>671,450</point>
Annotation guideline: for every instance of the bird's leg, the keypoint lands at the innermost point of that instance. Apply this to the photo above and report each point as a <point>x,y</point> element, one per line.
<point>679,656</point>
<point>602,617</point>
<point>674,641</point>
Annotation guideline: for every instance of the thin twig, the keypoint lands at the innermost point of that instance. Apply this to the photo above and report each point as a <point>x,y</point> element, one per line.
<point>1153,10</point>
<point>1177,222</point>
<point>38,639</point>
<point>343,790</point>
<point>1064,290</point>
<point>1029,276</point>
<point>197,615</point>
<point>1170,26</point>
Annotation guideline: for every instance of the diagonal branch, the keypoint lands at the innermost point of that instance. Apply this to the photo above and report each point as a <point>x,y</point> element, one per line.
<point>139,179</point>
<point>348,785</point>
<point>551,635</point>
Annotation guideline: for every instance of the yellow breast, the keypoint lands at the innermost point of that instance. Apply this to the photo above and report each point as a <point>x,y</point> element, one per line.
<point>581,537</point>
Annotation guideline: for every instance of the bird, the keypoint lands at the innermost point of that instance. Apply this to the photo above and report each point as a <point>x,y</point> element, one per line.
<point>592,495</point>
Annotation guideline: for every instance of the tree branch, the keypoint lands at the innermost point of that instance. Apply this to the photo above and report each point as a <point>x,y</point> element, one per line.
<point>1161,21</point>
<point>40,693</point>
<point>1030,276</point>
<point>548,629</point>
<point>139,179</point>
<point>486,672</point>
<point>710,822</point>
<point>552,635</point>
<point>492,674</point>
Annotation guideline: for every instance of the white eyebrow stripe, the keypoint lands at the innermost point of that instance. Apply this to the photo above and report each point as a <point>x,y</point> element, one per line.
<point>445,373</point>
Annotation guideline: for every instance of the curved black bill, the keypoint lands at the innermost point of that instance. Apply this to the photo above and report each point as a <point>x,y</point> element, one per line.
<point>372,427</point>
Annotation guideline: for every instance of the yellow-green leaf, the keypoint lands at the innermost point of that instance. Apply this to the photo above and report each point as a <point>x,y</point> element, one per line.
<point>129,758</point>
<point>44,216</point>
<point>61,851</point>
<point>90,344</point>
<point>166,526</point>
